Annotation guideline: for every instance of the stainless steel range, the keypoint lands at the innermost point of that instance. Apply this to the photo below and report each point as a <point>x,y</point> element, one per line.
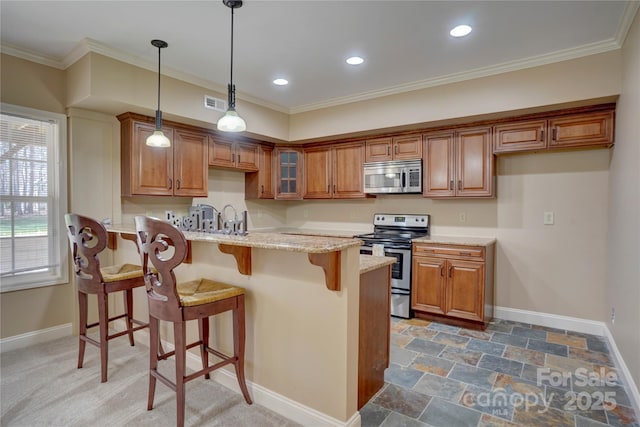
<point>393,235</point>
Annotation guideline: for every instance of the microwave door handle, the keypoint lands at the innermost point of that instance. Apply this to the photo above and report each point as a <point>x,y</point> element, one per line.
<point>403,177</point>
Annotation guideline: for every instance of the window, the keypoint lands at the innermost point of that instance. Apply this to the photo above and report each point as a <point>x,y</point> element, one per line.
<point>33,185</point>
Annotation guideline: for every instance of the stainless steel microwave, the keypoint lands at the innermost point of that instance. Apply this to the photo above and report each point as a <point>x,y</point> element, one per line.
<point>402,176</point>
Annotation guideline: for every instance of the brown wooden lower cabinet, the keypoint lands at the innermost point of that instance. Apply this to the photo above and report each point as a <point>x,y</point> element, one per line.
<point>374,332</point>
<point>453,284</point>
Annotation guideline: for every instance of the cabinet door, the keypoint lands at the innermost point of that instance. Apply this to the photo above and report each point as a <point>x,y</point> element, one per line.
<point>246,156</point>
<point>221,153</point>
<point>378,150</point>
<point>289,162</point>
<point>407,147</point>
<point>317,173</point>
<point>438,171</point>
<point>465,290</point>
<point>428,285</point>
<point>520,136</point>
<point>348,176</point>
<point>151,167</point>
<point>190,169</point>
<point>582,130</point>
<point>475,161</point>
<point>259,185</point>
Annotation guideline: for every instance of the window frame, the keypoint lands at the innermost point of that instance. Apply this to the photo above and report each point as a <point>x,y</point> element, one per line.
<point>57,238</point>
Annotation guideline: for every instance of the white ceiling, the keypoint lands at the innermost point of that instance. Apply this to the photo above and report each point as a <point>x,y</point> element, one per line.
<point>406,44</point>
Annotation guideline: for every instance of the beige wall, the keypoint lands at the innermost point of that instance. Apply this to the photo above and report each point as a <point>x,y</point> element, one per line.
<point>35,86</point>
<point>623,290</point>
<point>104,84</point>
<point>589,77</point>
<point>558,269</point>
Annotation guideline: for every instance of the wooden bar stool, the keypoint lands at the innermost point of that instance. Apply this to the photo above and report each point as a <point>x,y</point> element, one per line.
<point>164,247</point>
<point>87,238</point>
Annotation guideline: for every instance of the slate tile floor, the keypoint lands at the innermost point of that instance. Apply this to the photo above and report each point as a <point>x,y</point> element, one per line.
<point>511,374</point>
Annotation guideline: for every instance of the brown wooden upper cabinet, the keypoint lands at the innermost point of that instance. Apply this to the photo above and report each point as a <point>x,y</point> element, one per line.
<point>288,163</point>
<point>334,171</point>
<point>179,170</point>
<point>590,129</point>
<point>406,147</point>
<point>458,164</point>
<point>259,184</point>
<point>233,154</point>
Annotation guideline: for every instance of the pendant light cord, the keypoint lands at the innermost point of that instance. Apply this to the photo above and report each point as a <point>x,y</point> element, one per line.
<point>232,89</point>
<point>159,49</point>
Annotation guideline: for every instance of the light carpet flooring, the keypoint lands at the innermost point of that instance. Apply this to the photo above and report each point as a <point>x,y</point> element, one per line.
<point>41,386</point>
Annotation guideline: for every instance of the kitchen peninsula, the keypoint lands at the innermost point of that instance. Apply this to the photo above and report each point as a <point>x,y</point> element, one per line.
<point>304,323</point>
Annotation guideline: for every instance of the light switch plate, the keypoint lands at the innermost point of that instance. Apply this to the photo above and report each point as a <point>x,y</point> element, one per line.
<point>548,218</point>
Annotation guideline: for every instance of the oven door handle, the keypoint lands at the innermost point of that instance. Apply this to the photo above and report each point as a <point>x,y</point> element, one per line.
<point>391,246</point>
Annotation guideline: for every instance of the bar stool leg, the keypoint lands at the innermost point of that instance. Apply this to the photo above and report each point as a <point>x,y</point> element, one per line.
<point>82,304</point>
<point>128,311</point>
<point>203,329</point>
<point>179,330</point>
<point>154,342</point>
<point>238,346</point>
<point>103,316</point>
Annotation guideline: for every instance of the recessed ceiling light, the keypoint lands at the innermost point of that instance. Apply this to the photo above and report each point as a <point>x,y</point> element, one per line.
<point>355,60</point>
<point>281,82</point>
<point>460,31</point>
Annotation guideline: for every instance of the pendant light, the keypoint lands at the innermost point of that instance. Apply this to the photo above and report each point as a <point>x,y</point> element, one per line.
<point>231,121</point>
<point>157,138</point>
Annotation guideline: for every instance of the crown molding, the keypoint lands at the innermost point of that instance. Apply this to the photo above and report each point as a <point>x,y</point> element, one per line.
<point>505,67</point>
<point>28,55</point>
<point>630,10</point>
<point>88,45</point>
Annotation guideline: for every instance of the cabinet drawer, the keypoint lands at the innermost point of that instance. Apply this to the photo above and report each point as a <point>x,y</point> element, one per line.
<point>468,252</point>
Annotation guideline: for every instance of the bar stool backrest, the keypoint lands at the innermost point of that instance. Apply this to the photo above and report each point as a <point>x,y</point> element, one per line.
<point>162,248</point>
<point>87,238</point>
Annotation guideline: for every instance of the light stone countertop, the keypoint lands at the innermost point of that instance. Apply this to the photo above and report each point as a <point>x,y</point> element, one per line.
<point>370,262</point>
<point>315,232</point>
<point>263,240</point>
<point>457,240</point>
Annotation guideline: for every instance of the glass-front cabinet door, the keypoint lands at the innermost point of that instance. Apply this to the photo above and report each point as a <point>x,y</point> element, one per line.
<point>289,165</point>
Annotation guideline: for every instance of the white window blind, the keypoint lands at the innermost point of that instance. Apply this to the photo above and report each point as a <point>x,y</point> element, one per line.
<point>32,198</point>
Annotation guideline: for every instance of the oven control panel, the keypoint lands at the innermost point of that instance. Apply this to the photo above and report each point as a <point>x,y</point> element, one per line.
<point>401,220</point>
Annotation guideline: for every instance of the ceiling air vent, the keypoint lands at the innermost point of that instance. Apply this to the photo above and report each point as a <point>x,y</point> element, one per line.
<point>215,103</point>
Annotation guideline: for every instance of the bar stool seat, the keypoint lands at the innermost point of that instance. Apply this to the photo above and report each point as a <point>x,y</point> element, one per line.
<point>115,273</point>
<point>162,249</point>
<point>203,291</point>
<point>87,239</point>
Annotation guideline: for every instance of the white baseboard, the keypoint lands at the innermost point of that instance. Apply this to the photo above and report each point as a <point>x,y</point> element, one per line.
<point>271,400</point>
<point>577,325</point>
<point>35,337</point>
<point>632,387</point>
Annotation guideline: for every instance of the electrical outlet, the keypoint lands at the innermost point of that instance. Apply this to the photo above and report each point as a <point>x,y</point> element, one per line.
<point>462,217</point>
<point>548,218</point>
<point>613,315</point>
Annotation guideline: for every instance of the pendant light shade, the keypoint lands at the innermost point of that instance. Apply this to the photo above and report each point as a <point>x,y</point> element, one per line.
<point>158,138</point>
<point>231,121</point>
